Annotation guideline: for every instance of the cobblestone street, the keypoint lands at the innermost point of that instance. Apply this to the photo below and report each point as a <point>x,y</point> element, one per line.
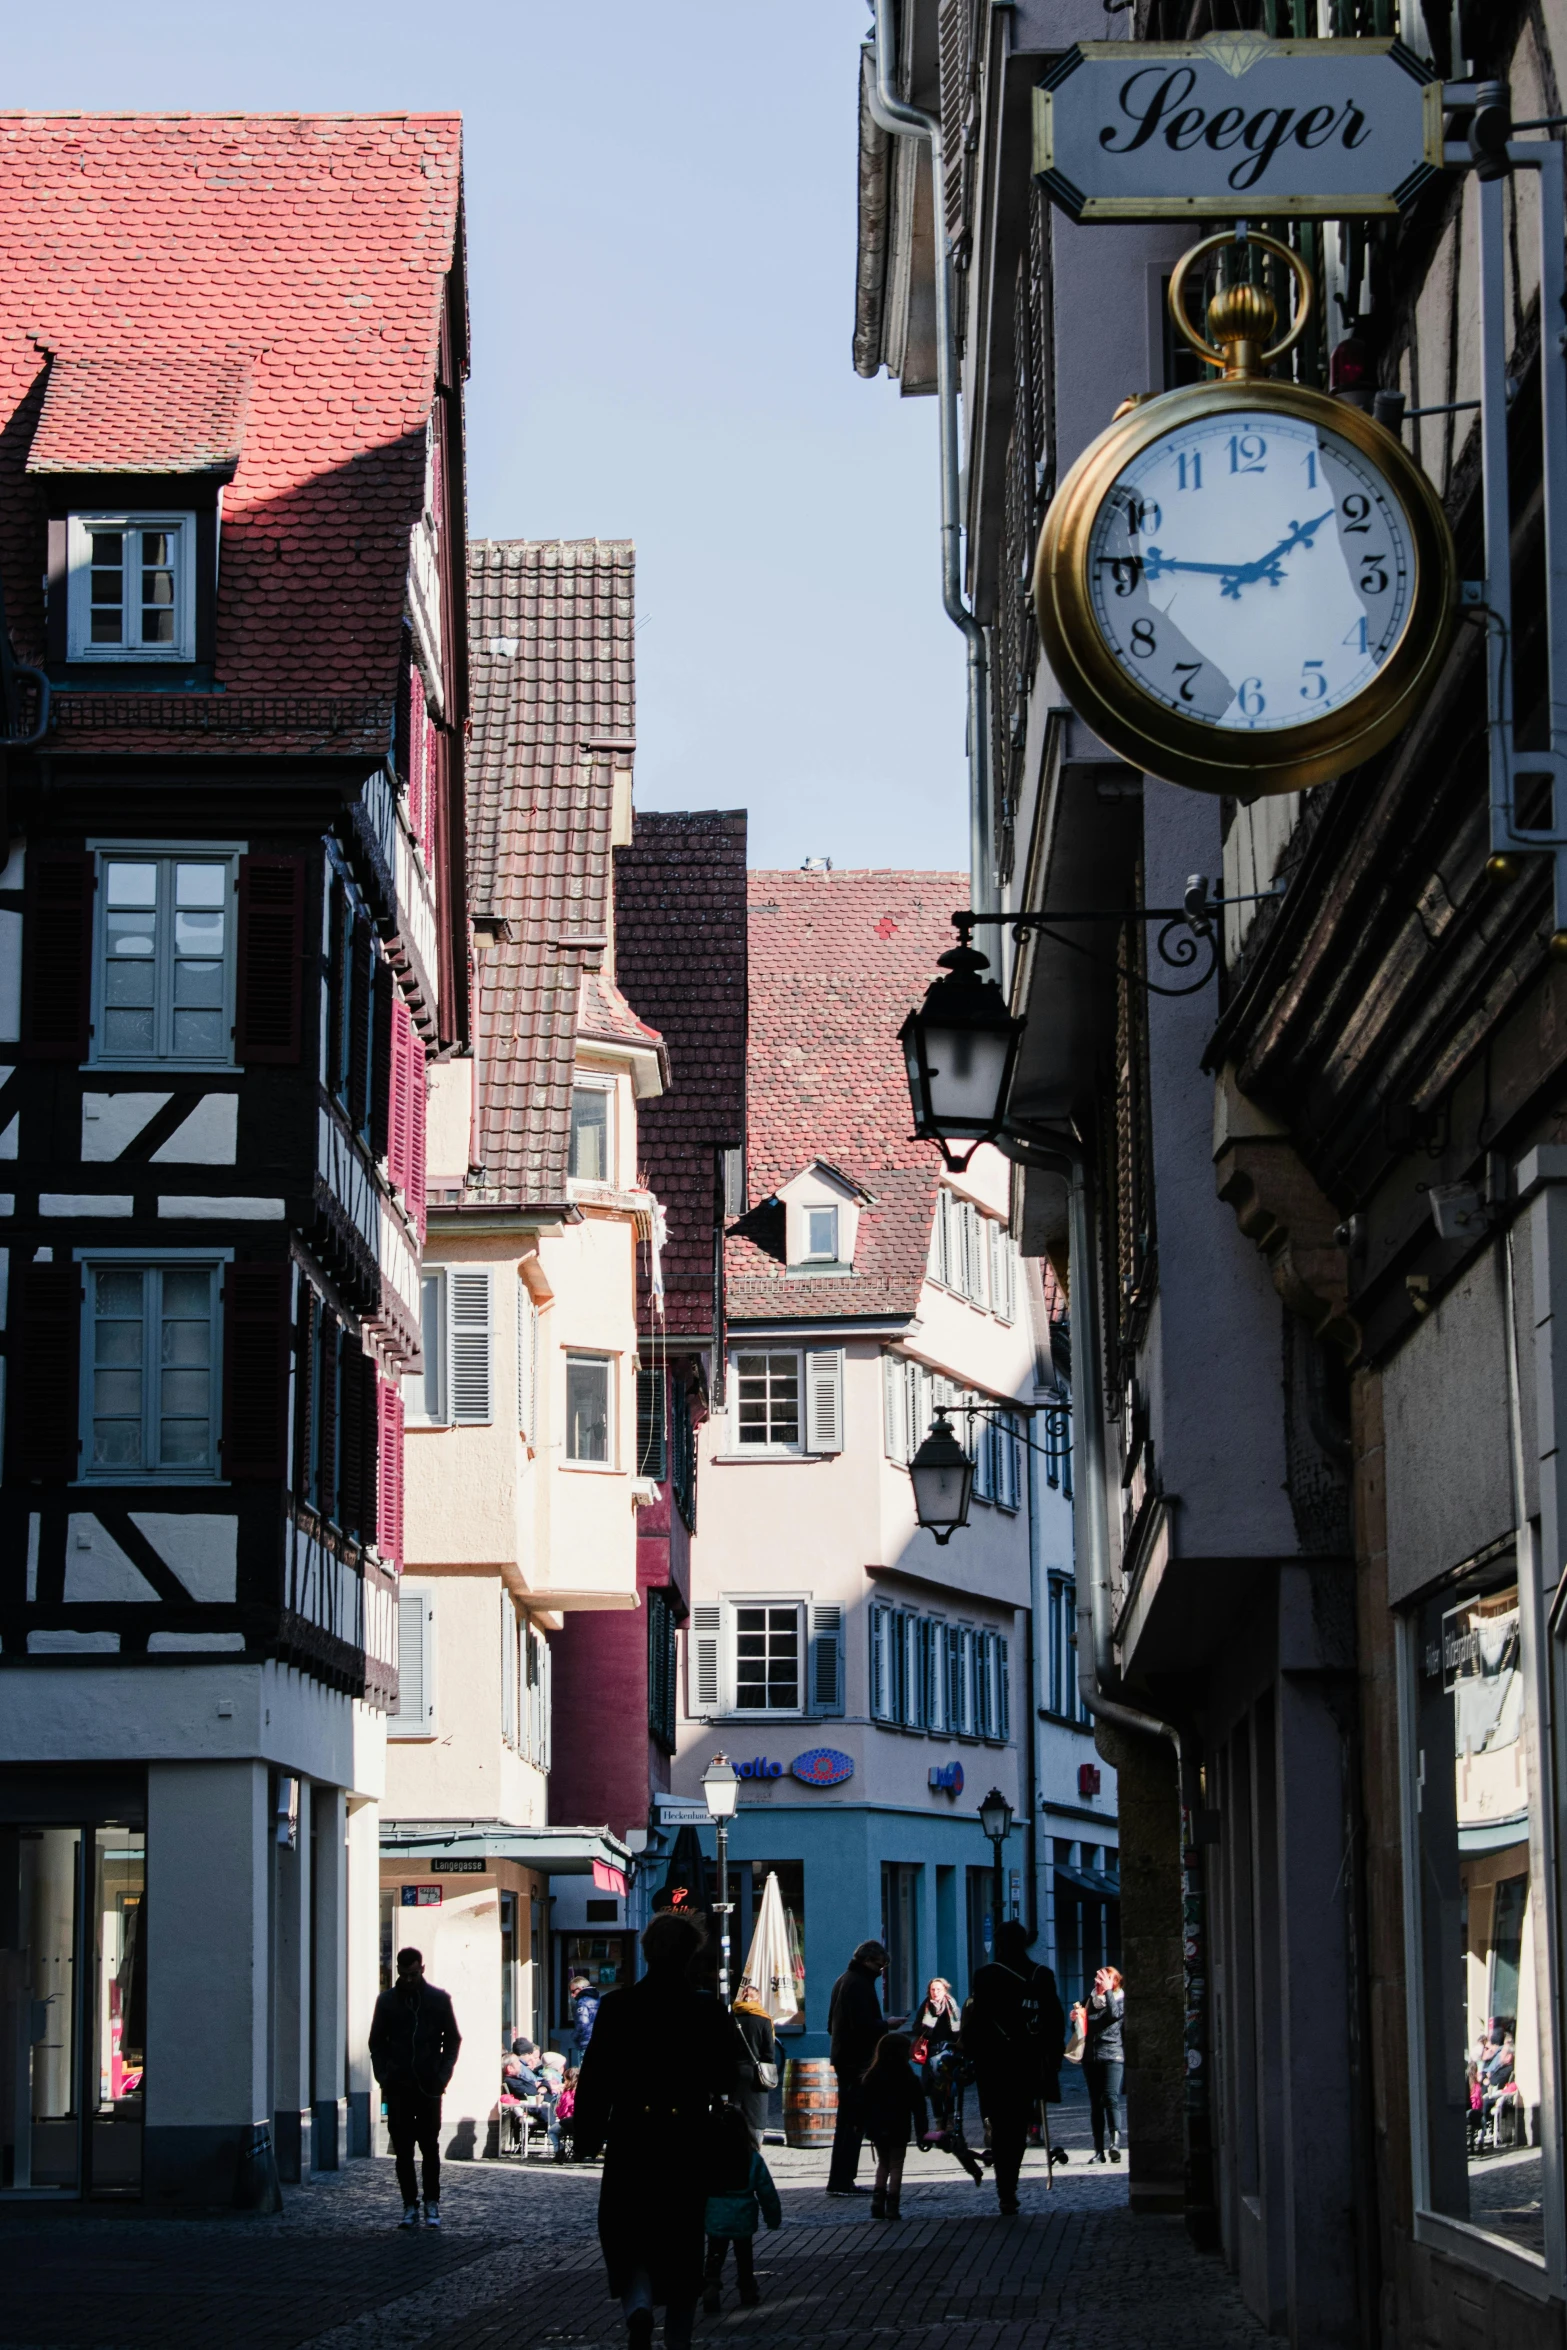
<point>517,2263</point>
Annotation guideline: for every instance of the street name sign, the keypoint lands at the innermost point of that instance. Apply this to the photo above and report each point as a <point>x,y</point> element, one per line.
<point>1236,126</point>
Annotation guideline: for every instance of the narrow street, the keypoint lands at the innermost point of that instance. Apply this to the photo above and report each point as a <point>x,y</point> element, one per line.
<point>517,2263</point>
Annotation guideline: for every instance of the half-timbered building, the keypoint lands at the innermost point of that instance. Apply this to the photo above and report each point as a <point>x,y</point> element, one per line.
<point>232,934</point>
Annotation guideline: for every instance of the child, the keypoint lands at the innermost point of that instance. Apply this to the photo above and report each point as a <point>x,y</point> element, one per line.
<point>892,2098</point>
<point>565,2107</point>
<point>742,2190</point>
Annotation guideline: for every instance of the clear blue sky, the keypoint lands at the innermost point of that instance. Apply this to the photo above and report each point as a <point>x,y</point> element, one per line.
<point>661,243</point>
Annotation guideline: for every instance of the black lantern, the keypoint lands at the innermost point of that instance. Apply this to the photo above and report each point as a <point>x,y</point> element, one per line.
<point>943,1479</point>
<point>995,1817</point>
<point>960,1048</point>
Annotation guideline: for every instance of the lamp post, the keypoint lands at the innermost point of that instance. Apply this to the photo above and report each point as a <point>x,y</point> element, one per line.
<point>943,1479</point>
<point>995,1817</point>
<point>721,1788</point>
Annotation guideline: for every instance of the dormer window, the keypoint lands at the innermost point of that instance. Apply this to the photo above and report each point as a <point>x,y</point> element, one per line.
<point>821,1234</point>
<point>130,593</point>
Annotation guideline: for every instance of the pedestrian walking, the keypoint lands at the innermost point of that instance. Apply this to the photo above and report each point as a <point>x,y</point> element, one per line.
<point>583,1998</point>
<point>662,2052</point>
<point>742,2194</point>
<point>413,2051</point>
<point>1104,2059</point>
<point>1013,2033</point>
<point>856,2024</point>
<point>757,2085</point>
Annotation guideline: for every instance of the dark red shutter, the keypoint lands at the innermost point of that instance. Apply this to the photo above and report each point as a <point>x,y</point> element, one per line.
<point>418,1106</point>
<point>397,1119</point>
<point>56,1022</point>
<point>271,959</point>
<point>255,1372</point>
<point>389,1528</point>
<point>46,1327</point>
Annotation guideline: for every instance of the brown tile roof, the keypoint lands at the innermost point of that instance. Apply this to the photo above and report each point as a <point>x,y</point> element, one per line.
<point>680,952</point>
<point>836,960</point>
<point>315,248</point>
<point>142,412</point>
<point>550,624</point>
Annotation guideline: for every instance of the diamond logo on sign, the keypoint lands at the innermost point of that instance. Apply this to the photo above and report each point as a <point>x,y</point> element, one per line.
<point>823,1766</point>
<point>1236,124</point>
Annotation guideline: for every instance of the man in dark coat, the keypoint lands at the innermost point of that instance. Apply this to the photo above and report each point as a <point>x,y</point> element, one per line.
<point>855,2020</point>
<point>413,2048</point>
<point>1013,2035</point>
<point>661,2052</point>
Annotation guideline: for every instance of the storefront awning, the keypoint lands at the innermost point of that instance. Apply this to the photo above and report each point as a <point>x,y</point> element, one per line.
<point>554,1852</point>
<point>1098,1884</point>
<point>1493,1835</point>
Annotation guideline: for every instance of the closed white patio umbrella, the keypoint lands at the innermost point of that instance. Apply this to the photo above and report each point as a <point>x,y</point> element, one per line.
<point>769,1966</point>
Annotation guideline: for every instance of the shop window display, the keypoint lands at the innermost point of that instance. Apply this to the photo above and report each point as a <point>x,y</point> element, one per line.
<point>1479,1989</point>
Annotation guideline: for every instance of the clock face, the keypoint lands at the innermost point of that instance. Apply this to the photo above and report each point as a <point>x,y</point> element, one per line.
<point>1251,570</point>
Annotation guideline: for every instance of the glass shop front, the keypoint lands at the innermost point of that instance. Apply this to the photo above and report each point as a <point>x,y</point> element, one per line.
<point>73,1998</point>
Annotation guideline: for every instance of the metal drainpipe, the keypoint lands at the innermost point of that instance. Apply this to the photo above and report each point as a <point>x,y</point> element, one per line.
<point>902,120</point>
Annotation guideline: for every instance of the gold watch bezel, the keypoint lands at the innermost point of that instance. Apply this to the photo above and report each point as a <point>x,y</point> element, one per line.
<point>1191,751</point>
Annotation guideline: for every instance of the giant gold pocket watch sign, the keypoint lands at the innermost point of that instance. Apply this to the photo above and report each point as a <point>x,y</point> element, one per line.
<point>1245,586</point>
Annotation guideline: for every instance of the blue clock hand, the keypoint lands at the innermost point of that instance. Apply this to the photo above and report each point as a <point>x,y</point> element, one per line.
<point>1267,566</point>
<point>1155,565</point>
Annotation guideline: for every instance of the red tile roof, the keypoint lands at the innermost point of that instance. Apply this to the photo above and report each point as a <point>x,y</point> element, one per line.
<point>142,412</point>
<point>314,246</point>
<point>836,961</point>
<point>550,625</point>
<point>603,1015</point>
<point>680,952</point>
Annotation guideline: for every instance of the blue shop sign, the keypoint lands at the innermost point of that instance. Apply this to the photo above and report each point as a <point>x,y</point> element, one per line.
<point>948,1777</point>
<point>759,1768</point>
<point>823,1766</point>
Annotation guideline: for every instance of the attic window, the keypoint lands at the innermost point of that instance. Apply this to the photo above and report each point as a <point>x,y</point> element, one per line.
<point>821,1234</point>
<point>130,593</point>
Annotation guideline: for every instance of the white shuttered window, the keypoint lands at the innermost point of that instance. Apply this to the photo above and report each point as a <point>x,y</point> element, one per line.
<point>824,1400</point>
<point>415,1715</point>
<point>468,1294</point>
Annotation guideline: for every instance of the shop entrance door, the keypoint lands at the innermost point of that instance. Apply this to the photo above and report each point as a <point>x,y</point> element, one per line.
<point>73,2009</point>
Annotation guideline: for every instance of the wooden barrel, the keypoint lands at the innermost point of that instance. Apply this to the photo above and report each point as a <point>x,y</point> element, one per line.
<point>810,2101</point>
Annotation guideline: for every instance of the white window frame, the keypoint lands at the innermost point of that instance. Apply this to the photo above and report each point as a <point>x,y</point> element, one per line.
<point>79,529</point>
<point>134,1260</point>
<point>610,1365</point>
<point>800,1606</point>
<point>606,1087</point>
<point>739,1445</point>
<point>166,856</point>
<point>404,1724</point>
<point>417,1384</point>
<point>1003,1288</point>
<point>820,1256</point>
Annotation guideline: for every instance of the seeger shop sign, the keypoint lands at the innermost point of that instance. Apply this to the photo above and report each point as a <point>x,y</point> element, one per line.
<point>1236,125</point>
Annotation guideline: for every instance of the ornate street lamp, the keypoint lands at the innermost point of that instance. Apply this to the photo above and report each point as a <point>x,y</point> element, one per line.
<point>960,1049</point>
<point>721,1788</point>
<point>995,1817</point>
<point>943,1479</point>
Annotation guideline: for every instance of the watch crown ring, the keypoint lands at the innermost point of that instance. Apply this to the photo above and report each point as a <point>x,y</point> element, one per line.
<point>1241,317</point>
